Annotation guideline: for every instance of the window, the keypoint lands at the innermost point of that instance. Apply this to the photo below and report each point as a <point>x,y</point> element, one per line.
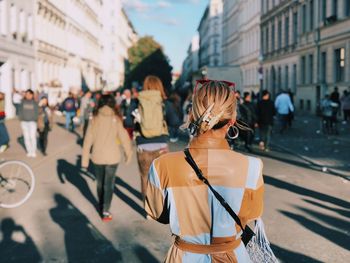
<point>295,27</point>
<point>286,32</point>
<point>311,9</point>
<point>301,104</point>
<point>13,21</point>
<point>339,64</point>
<point>286,79</point>
<point>294,80</point>
<point>273,37</point>
<point>30,28</point>
<point>308,105</point>
<point>347,7</point>
<point>279,36</point>
<point>22,23</point>
<point>279,78</point>
<point>3,17</point>
<point>323,10</point>
<point>302,70</point>
<point>323,67</point>
<point>311,68</point>
<point>303,20</point>
<point>267,40</point>
<point>335,7</point>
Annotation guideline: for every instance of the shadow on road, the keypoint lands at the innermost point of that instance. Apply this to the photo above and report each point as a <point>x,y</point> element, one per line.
<point>20,141</point>
<point>79,138</point>
<point>306,192</point>
<point>127,199</point>
<point>73,174</point>
<point>334,229</point>
<point>16,245</point>
<point>327,226</point>
<point>131,189</point>
<point>83,242</point>
<point>144,255</point>
<point>285,255</point>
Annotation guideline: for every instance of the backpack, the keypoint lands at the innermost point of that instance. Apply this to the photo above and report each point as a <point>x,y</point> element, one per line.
<point>68,105</point>
<point>152,114</point>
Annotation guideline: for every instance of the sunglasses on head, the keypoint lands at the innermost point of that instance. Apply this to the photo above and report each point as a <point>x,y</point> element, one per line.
<point>204,81</point>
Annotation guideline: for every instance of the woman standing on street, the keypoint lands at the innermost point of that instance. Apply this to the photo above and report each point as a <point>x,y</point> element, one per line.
<point>203,229</point>
<point>104,134</point>
<point>152,138</point>
<point>28,114</point>
<point>44,123</point>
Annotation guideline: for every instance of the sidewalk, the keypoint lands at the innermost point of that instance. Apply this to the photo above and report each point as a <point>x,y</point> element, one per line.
<point>305,140</point>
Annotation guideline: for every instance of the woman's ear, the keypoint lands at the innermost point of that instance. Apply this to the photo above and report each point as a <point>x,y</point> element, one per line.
<point>232,122</point>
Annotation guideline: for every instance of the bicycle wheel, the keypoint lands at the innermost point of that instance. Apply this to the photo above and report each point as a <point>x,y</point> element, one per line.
<point>16,183</point>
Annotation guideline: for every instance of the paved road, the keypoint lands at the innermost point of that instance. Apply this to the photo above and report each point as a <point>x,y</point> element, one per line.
<point>306,212</point>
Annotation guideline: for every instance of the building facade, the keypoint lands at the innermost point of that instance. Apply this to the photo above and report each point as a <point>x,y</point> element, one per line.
<point>306,48</point>
<point>17,56</point>
<point>68,43</point>
<point>119,35</point>
<point>62,45</point>
<point>190,66</point>
<point>241,40</point>
<point>210,35</point>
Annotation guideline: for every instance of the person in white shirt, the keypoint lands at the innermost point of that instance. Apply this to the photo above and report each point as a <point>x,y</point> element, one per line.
<point>16,99</point>
<point>284,107</point>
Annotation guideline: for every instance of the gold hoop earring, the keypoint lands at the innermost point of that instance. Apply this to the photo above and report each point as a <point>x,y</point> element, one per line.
<point>235,131</point>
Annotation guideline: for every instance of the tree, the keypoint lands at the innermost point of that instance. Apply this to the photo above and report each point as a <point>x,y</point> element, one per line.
<point>146,57</point>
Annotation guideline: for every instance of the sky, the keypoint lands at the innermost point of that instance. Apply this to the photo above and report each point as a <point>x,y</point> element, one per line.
<point>172,23</point>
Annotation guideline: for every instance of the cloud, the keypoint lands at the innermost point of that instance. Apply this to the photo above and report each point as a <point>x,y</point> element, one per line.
<point>168,21</point>
<point>141,6</point>
<point>188,1</point>
<point>163,4</point>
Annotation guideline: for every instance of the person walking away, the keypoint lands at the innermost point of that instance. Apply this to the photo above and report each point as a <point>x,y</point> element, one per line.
<point>152,135</point>
<point>291,113</point>
<point>70,108</point>
<point>345,105</point>
<point>28,115</point>
<point>203,231</point>
<point>265,112</point>
<point>327,112</point>
<point>127,106</point>
<point>248,116</point>
<point>173,119</point>
<point>86,110</point>
<point>104,134</point>
<point>16,99</point>
<point>4,136</point>
<point>284,107</point>
<point>335,96</point>
<point>44,123</point>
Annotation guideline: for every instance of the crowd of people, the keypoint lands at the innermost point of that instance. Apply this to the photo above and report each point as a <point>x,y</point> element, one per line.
<point>331,108</point>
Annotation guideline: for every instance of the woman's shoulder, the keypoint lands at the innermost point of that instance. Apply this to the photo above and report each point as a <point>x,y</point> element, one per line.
<point>170,157</point>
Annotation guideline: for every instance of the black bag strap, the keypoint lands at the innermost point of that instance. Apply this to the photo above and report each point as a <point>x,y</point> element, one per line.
<point>201,177</point>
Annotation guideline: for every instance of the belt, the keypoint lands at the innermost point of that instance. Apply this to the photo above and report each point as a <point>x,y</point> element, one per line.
<point>227,244</point>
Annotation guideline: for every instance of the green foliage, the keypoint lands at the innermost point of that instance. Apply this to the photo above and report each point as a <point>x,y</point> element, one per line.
<point>146,57</point>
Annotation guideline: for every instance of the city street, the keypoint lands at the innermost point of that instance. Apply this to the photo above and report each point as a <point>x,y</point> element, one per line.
<point>306,211</point>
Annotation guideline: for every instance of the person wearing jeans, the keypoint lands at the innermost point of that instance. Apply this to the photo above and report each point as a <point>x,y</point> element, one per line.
<point>104,135</point>
<point>28,114</point>
<point>265,112</point>
<point>105,175</point>
<point>284,107</point>
<point>69,107</point>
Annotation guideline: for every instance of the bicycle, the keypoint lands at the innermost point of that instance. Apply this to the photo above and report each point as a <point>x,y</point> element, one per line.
<point>16,183</point>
